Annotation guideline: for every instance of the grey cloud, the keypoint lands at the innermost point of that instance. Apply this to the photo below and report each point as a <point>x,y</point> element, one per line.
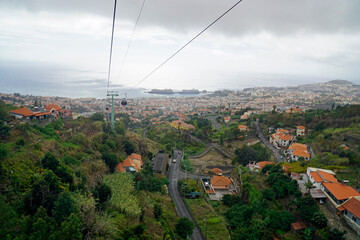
<point>277,16</point>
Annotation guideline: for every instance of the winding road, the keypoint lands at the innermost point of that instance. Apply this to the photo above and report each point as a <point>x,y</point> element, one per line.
<point>275,151</point>
<point>181,208</point>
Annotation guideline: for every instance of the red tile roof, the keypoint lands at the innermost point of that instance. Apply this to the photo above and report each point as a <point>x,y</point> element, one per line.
<point>120,168</point>
<point>220,182</point>
<point>243,128</point>
<point>264,163</point>
<point>327,176</point>
<point>299,150</point>
<point>301,127</point>
<point>52,106</point>
<point>42,114</point>
<point>23,111</point>
<point>341,191</point>
<point>216,170</point>
<point>135,156</point>
<point>316,177</point>
<point>353,206</point>
<point>285,137</point>
<point>298,225</point>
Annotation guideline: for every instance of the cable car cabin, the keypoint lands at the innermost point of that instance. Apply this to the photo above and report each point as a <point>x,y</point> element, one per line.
<point>123,102</point>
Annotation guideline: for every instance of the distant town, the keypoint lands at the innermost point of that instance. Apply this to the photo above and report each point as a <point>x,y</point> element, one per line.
<point>311,96</point>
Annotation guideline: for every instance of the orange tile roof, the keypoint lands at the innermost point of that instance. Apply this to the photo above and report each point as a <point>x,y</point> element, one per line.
<point>120,168</point>
<point>298,225</point>
<point>316,177</point>
<point>341,191</point>
<point>340,208</point>
<point>243,127</point>
<point>129,163</point>
<point>42,114</point>
<point>301,127</point>
<point>264,163</point>
<point>282,131</point>
<point>299,150</point>
<point>135,156</point>
<point>220,182</point>
<point>353,206</point>
<point>285,137</point>
<point>52,106</point>
<point>216,170</point>
<point>327,176</point>
<point>23,111</point>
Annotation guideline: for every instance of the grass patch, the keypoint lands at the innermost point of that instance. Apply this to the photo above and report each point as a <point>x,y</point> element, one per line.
<point>215,227</point>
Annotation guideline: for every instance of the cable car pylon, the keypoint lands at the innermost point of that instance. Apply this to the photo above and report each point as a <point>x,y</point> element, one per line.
<point>112,94</point>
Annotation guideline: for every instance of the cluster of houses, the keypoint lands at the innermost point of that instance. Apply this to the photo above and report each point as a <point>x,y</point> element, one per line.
<point>341,199</point>
<point>284,139</point>
<point>51,110</point>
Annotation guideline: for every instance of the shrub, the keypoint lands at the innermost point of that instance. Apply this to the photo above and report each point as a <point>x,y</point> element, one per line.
<point>230,200</point>
<point>157,211</point>
<point>20,142</point>
<point>184,227</point>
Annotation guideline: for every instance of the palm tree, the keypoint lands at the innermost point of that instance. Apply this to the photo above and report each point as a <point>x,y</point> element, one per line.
<point>309,185</point>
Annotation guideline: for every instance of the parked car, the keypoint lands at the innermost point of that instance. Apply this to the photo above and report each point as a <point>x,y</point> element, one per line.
<point>174,160</point>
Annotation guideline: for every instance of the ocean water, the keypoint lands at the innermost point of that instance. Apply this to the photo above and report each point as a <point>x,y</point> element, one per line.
<point>45,80</point>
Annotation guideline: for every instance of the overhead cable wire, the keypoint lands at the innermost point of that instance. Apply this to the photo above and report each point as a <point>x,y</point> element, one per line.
<point>132,36</point>
<point>111,46</point>
<point>191,40</point>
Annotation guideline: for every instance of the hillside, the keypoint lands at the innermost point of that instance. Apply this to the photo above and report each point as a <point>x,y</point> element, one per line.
<point>59,182</point>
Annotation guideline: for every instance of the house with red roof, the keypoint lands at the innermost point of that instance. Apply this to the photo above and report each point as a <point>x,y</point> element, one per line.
<point>57,111</point>
<point>351,213</point>
<point>337,193</point>
<point>317,176</point>
<point>257,166</point>
<point>216,171</point>
<point>297,227</point>
<point>132,163</point>
<point>25,113</point>
<point>300,131</point>
<point>298,150</point>
<point>281,138</point>
<point>22,113</point>
<point>219,186</point>
<point>243,128</point>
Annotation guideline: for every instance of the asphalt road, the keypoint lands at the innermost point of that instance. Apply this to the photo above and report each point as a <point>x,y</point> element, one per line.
<point>175,194</point>
<point>215,125</point>
<point>266,142</point>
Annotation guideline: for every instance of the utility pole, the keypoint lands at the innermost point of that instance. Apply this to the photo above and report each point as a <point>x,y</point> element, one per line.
<point>239,169</point>
<point>112,94</point>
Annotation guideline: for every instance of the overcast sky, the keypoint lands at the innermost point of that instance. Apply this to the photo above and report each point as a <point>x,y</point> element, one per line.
<point>65,44</point>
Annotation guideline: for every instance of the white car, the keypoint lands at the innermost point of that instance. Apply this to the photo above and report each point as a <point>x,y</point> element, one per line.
<point>174,160</point>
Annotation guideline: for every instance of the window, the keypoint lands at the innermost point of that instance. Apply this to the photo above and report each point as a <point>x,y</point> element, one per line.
<point>353,218</point>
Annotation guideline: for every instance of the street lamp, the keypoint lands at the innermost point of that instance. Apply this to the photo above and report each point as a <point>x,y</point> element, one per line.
<point>206,227</point>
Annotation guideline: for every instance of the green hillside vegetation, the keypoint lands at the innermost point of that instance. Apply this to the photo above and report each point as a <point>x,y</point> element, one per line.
<point>59,182</point>
<point>171,138</point>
